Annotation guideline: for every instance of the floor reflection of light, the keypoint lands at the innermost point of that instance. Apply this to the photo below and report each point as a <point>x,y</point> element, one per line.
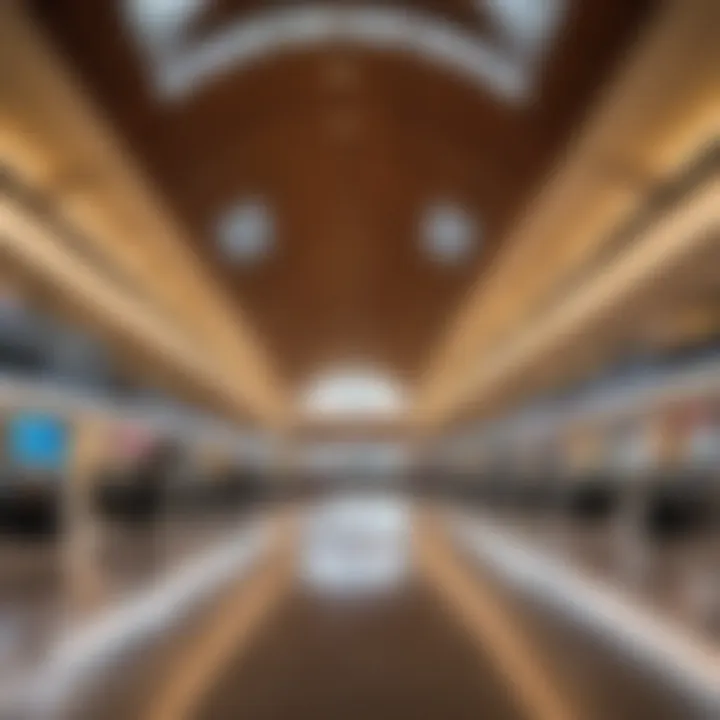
<point>356,545</point>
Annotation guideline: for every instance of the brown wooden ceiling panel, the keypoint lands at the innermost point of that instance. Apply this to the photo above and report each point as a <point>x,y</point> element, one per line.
<point>348,147</point>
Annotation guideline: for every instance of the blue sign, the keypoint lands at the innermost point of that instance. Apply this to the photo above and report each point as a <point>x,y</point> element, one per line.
<point>37,441</point>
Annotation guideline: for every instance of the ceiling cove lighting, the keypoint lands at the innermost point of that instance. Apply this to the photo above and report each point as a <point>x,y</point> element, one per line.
<point>179,67</point>
<point>448,234</point>
<point>529,26</point>
<point>245,232</point>
<point>159,24</point>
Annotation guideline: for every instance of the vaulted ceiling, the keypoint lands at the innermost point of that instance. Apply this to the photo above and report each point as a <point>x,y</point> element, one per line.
<point>346,141</point>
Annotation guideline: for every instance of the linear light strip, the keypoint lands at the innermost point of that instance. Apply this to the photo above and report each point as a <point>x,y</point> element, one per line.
<point>53,131</point>
<point>684,232</point>
<point>24,238</point>
<point>637,626</point>
<point>79,656</point>
<point>661,110</point>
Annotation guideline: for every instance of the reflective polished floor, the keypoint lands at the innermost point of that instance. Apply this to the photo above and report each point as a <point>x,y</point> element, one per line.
<point>372,636</point>
<point>395,656</point>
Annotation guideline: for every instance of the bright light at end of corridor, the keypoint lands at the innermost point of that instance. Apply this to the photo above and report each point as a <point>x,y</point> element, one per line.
<point>352,393</point>
<point>356,545</point>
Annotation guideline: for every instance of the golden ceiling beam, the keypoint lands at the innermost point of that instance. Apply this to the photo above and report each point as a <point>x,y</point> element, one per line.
<point>683,236</point>
<point>53,139</point>
<point>28,244</point>
<point>661,110</point>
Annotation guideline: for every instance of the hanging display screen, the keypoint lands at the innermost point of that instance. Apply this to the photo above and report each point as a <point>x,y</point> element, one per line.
<point>37,441</point>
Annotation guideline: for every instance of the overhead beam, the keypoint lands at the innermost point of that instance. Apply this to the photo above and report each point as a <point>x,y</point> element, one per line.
<point>23,240</point>
<point>552,342</point>
<point>54,139</point>
<point>662,108</point>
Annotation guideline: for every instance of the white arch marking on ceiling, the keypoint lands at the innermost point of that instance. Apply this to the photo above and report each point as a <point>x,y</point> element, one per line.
<point>528,25</point>
<point>159,24</point>
<point>180,68</point>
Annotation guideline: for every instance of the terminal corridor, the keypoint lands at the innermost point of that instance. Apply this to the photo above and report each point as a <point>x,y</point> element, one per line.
<point>359,360</point>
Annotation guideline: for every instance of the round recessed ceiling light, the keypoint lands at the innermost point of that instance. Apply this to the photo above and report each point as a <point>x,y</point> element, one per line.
<point>245,232</point>
<point>448,233</point>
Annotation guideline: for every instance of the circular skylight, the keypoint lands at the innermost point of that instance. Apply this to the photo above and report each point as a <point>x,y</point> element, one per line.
<point>448,233</point>
<point>245,232</point>
<point>351,392</point>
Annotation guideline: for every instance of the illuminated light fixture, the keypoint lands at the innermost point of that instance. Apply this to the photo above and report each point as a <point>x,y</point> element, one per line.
<point>245,232</point>
<point>353,393</point>
<point>448,234</point>
<point>160,23</point>
<point>180,67</point>
<point>528,25</point>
